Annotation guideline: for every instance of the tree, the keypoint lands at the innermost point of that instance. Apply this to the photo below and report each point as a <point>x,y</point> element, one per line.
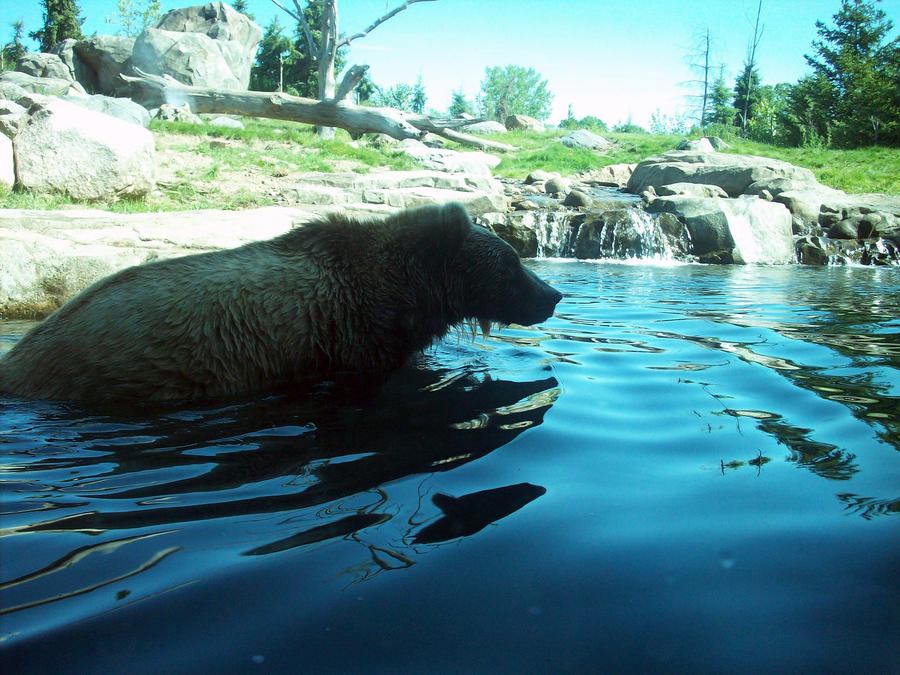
<point>700,61</point>
<point>746,94</point>
<point>862,72</point>
<point>459,105</point>
<point>720,109</point>
<point>514,90</point>
<point>322,50</point>
<point>133,18</point>
<point>274,52</point>
<point>60,23</point>
<point>11,51</point>
<point>749,70</point>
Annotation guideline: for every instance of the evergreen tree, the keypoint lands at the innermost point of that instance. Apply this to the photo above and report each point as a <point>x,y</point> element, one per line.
<point>60,23</point>
<point>459,105</point>
<point>746,95</point>
<point>14,49</point>
<point>862,71</point>
<point>514,90</point>
<point>720,109</point>
<point>275,53</point>
<point>417,104</point>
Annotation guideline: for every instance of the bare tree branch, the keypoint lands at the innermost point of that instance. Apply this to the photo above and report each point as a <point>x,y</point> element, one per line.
<point>346,41</point>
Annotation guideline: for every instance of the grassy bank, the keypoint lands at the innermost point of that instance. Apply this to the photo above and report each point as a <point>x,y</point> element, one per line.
<point>214,167</point>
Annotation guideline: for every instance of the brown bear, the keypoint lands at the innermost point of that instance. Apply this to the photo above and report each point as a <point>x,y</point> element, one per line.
<point>336,295</point>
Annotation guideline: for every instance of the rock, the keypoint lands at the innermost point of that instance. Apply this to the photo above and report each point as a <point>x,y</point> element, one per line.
<point>745,230</point>
<point>556,185</point>
<point>11,116</point>
<point>123,108</point>
<point>613,175</point>
<point>812,250</point>
<point>9,91</point>
<point>716,142</point>
<point>874,215</point>
<point>44,65</point>
<point>191,58</point>
<point>98,62</point>
<point>46,257</point>
<point>173,113</point>
<point>487,127</point>
<point>540,176</point>
<point>691,190</point>
<point>48,86</point>
<point>7,165</point>
<point>216,20</point>
<point>513,122</point>
<point>702,145</point>
<point>733,173</point>
<point>226,122</point>
<point>578,199</point>
<point>439,159</point>
<point>585,140</point>
<point>518,230</point>
<point>64,50</point>
<point>845,229</point>
<point>383,141</point>
<point>62,147</point>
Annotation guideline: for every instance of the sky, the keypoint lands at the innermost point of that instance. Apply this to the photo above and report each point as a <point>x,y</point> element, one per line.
<point>618,60</point>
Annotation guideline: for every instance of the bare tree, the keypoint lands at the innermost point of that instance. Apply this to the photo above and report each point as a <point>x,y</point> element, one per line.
<point>751,64</point>
<point>699,60</point>
<point>325,53</point>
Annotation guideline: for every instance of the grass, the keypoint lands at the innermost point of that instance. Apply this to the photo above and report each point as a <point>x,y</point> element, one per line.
<point>226,164</point>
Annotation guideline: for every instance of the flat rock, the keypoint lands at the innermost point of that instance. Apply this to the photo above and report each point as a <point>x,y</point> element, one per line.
<point>584,140</point>
<point>691,190</point>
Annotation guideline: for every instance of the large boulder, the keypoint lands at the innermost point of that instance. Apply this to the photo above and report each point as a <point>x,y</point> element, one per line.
<point>44,65</point>
<point>216,20</point>
<point>440,159</point>
<point>11,116</point>
<point>123,108</point>
<point>612,175</point>
<point>513,122</point>
<point>486,127</point>
<point>62,147</point>
<point>99,61</point>
<point>700,145</point>
<point>191,58</point>
<point>46,257</point>
<point>7,166</point>
<point>47,86</point>
<point>733,173</point>
<point>584,140</point>
<point>745,230</point>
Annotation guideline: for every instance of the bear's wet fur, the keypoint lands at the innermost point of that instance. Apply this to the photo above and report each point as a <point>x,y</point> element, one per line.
<point>335,295</point>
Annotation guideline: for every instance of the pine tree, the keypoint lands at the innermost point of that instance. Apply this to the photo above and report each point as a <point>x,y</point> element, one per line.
<point>720,109</point>
<point>60,23</point>
<point>14,49</point>
<point>459,104</point>
<point>746,95</point>
<point>274,52</point>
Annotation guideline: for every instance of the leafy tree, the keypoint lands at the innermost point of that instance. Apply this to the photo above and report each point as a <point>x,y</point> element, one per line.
<point>11,51</point>
<point>403,96</point>
<point>862,71</point>
<point>275,51</point>
<point>807,116</point>
<point>60,23</point>
<point>417,105</point>
<point>514,90</point>
<point>133,17</point>
<point>746,95</point>
<point>459,105</point>
<point>589,122</point>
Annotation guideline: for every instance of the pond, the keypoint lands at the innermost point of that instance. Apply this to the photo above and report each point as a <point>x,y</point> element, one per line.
<point>688,468</point>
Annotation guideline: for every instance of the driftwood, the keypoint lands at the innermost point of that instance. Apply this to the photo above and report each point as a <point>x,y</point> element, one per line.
<point>356,119</point>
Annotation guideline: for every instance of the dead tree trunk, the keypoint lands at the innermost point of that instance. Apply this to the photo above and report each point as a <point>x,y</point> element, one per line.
<point>335,112</point>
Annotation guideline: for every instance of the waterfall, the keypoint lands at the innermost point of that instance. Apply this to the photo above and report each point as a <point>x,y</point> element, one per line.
<point>554,234</point>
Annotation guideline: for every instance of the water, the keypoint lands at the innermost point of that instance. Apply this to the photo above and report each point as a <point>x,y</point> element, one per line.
<point>689,468</point>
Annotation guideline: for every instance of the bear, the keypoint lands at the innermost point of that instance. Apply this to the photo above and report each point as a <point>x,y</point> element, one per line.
<point>336,295</point>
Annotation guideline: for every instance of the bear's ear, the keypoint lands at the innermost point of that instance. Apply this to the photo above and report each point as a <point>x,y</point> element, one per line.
<point>439,230</point>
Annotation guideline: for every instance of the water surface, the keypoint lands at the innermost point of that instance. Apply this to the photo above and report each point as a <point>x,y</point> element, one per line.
<point>688,468</point>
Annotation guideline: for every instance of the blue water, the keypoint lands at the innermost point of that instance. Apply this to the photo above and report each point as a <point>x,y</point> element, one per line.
<point>688,468</point>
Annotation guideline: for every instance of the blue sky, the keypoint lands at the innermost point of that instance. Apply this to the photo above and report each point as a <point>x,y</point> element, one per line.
<point>613,59</point>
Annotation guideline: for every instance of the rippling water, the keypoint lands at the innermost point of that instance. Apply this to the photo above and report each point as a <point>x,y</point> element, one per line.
<point>688,468</point>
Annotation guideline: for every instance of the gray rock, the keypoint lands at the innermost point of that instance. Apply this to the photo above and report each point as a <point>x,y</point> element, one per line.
<point>513,122</point>
<point>745,230</point>
<point>49,256</point>
<point>99,61</point>
<point>844,229</point>
<point>9,91</point>
<point>691,190</point>
<point>578,200</point>
<point>701,145</point>
<point>812,250</point>
<point>216,20</point>
<point>122,108</point>
<point>191,58</point>
<point>7,164</point>
<point>540,176</point>
<point>487,127</point>
<point>717,143</point>
<point>441,159</point>
<point>44,65</point>
<point>556,185</point>
<point>733,173</point>
<point>176,113</point>
<point>585,140</point>
<point>64,148</point>
<point>226,122</point>
<point>48,86</point>
<point>11,116</point>
<point>612,175</point>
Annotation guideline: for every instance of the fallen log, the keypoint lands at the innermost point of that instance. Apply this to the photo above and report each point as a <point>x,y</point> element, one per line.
<point>154,90</point>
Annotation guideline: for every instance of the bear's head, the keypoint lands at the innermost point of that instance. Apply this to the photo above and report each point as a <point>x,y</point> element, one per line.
<point>486,280</point>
